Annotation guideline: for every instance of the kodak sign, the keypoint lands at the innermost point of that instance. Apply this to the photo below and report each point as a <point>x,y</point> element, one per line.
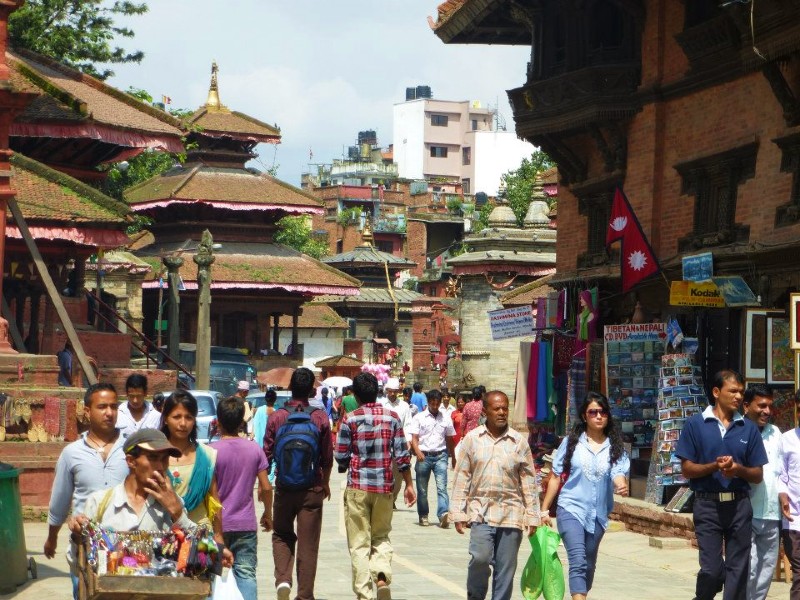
<point>693,293</point>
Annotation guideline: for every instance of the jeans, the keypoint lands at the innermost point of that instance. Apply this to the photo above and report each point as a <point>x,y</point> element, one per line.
<point>305,506</point>
<point>492,549</point>
<point>763,557</point>
<point>716,523</point>
<point>437,464</point>
<point>244,545</point>
<point>582,548</point>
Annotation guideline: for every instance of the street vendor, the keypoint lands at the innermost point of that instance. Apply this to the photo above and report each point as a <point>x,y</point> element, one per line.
<point>145,500</point>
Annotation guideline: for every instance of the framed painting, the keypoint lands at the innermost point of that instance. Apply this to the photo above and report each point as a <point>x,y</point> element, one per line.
<point>794,321</point>
<point>780,358</point>
<point>755,343</point>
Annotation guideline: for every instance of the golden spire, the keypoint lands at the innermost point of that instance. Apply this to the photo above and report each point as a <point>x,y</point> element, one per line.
<point>213,92</point>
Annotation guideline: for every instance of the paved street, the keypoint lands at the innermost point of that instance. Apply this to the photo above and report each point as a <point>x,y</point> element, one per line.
<point>430,563</point>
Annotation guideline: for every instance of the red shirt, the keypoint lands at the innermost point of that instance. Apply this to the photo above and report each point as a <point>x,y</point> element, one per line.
<point>471,416</point>
<point>318,417</point>
<point>458,418</point>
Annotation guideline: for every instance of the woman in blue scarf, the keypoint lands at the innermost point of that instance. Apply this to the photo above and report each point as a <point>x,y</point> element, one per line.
<point>192,474</point>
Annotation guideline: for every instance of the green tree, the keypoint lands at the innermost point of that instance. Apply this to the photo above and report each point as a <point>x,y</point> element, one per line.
<point>519,183</point>
<point>80,33</point>
<point>296,233</point>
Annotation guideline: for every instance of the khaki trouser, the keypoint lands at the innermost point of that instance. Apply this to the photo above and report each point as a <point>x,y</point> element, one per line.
<point>368,522</point>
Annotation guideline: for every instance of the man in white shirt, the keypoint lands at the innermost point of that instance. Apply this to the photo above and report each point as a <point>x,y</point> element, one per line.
<point>393,402</point>
<point>137,413</point>
<point>789,495</point>
<point>432,442</point>
<point>766,523</point>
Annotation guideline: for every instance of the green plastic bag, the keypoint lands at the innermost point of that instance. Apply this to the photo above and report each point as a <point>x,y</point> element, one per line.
<point>543,574</point>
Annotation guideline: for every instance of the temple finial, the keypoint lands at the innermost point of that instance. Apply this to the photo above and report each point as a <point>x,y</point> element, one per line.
<point>213,91</point>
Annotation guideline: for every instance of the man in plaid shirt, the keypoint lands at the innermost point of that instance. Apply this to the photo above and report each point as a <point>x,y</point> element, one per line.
<point>370,438</point>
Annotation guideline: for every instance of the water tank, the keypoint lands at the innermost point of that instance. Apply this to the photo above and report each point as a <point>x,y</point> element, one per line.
<point>424,91</point>
<point>480,199</point>
<point>411,93</point>
<point>368,137</point>
<point>365,151</point>
<point>352,152</point>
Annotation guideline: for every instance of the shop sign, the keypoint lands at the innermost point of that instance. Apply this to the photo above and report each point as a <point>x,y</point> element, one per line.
<point>511,322</point>
<point>692,293</point>
<point>636,332</point>
<point>698,267</point>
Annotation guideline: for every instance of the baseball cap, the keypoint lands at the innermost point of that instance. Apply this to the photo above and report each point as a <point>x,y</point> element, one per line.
<point>393,383</point>
<point>150,439</point>
<point>243,386</point>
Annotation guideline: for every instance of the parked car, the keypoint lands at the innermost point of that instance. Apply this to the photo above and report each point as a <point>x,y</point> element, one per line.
<point>207,401</point>
<point>256,398</point>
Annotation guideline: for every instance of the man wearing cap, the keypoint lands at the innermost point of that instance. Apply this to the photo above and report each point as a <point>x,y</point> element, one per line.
<point>145,499</point>
<point>242,389</point>
<point>403,411</point>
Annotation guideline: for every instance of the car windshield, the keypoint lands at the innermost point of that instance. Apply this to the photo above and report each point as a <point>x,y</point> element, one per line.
<point>205,406</point>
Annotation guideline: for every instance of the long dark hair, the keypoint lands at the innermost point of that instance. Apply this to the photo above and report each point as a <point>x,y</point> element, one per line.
<point>185,399</point>
<point>610,430</point>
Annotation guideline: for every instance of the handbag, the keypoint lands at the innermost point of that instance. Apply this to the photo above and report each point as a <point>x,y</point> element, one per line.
<point>562,479</point>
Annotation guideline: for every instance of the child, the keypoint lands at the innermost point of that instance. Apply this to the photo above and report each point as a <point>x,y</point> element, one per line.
<point>239,463</point>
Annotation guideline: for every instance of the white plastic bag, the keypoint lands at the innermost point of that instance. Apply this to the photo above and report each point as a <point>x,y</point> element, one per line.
<point>225,587</point>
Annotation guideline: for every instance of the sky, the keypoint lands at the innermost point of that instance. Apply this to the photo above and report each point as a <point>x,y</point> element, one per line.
<point>321,70</point>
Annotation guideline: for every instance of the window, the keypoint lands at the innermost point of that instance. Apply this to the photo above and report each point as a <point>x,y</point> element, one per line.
<point>438,151</point>
<point>466,156</point>
<point>789,213</point>
<point>714,182</point>
<point>474,124</point>
<point>596,207</point>
<point>465,186</point>
<point>439,120</point>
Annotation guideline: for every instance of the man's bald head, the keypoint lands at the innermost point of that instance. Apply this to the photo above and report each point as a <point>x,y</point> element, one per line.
<point>492,395</point>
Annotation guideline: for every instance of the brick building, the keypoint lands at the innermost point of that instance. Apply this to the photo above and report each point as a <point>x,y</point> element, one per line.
<point>692,108</point>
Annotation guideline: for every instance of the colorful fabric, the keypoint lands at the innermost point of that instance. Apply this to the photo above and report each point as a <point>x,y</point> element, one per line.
<point>542,398</point>
<point>494,481</point>
<point>370,439</point>
<point>535,398</point>
<point>563,349</point>
<point>576,387</point>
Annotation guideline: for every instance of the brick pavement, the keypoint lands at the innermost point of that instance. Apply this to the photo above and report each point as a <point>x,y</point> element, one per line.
<point>430,563</point>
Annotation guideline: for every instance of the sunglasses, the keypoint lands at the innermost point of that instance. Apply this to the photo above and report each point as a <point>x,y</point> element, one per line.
<point>596,412</point>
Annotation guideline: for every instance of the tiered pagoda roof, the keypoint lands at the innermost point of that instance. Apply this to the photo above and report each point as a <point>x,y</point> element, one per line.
<point>60,208</point>
<point>71,106</point>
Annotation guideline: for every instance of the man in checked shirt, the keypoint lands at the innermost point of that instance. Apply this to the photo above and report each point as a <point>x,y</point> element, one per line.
<point>494,492</point>
<point>370,438</point>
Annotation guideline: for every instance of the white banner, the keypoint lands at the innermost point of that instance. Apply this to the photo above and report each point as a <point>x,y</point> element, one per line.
<point>511,322</point>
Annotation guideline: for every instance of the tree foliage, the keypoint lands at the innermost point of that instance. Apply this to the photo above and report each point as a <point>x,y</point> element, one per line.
<point>296,233</point>
<point>519,183</point>
<point>80,33</point>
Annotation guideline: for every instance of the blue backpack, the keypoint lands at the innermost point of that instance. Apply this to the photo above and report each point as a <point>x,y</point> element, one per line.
<point>297,451</point>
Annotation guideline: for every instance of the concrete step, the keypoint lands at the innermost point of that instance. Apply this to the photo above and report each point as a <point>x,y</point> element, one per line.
<point>669,543</point>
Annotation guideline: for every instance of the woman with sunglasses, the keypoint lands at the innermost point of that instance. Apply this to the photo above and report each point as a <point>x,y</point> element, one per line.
<point>596,467</point>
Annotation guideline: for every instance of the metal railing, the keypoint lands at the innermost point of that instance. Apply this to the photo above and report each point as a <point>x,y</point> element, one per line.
<point>147,342</point>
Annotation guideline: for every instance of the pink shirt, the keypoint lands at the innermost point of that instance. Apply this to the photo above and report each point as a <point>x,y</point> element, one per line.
<point>239,461</point>
<point>471,416</point>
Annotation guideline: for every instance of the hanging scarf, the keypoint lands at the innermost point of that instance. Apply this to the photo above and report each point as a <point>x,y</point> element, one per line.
<point>200,480</point>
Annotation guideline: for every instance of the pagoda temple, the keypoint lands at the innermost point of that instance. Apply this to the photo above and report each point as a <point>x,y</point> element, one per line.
<point>254,280</point>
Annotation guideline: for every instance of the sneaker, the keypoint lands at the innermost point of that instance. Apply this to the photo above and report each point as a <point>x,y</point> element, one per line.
<point>423,522</point>
<point>283,591</point>
<point>444,522</point>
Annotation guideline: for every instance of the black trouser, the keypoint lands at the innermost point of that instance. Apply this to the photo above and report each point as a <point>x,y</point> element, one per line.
<point>791,546</point>
<point>714,523</point>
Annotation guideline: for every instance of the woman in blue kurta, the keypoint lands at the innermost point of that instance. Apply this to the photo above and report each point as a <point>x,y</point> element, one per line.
<point>596,466</point>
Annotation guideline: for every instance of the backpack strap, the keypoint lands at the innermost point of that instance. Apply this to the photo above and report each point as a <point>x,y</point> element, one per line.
<point>104,502</point>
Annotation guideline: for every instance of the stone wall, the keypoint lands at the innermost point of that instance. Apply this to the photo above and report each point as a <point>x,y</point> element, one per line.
<point>651,519</point>
<point>491,363</point>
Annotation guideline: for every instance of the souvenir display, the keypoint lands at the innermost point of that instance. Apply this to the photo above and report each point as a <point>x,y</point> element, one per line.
<point>152,553</point>
<point>680,395</point>
<point>633,370</point>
